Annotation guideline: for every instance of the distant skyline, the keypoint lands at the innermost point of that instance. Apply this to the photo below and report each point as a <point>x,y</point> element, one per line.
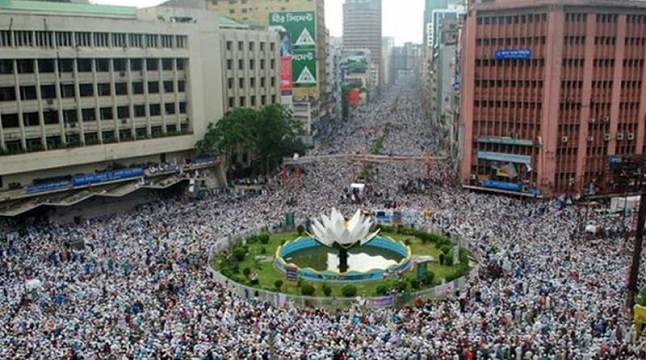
<point>404,23</point>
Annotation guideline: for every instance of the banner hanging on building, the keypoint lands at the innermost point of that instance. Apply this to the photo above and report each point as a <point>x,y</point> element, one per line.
<point>300,28</point>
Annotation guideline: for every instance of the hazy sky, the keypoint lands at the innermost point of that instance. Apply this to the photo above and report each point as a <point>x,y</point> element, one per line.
<point>404,22</point>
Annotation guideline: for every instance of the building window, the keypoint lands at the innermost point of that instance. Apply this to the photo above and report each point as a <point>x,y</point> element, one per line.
<point>262,46</point>
<point>240,82</point>
<point>252,82</point>
<point>273,81</point>
<point>240,64</point>
<point>232,102</point>
<point>123,112</point>
<point>262,64</point>
<point>155,109</point>
<point>106,113</point>
<point>101,40</point>
<point>272,64</point>
<point>121,88</point>
<point>169,108</point>
<point>251,46</point>
<point>153,87</point>
<point>108,136</point>
<point>88,115</point>
<point>167,64</point>
<point>240,45</point>
<point>229,64</point>
<point>152,64</point>
<point>253,100</point>
<point>263,100</point>
<point>138,88</point>
<point>229,45</point>
<point>242,101</point>
<point>252,64</point>
<point>169,87</point>
<point>140,111</point>
<point>29,92</point>
<point>230,83</point>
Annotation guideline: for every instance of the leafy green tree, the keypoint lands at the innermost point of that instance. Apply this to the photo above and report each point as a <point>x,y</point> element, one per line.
<point>267,134</point>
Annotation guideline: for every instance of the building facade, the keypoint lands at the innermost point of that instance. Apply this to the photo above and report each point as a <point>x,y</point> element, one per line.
<point>552,89</point>
<point>406,61</point>
<point>387,45</point>
<point>250,67</point>
<point>86,87</point>
<point>258,12</point>
<point>362,30</point>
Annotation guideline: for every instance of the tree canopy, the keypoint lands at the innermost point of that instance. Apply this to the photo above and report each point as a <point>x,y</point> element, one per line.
<point>267,135</point>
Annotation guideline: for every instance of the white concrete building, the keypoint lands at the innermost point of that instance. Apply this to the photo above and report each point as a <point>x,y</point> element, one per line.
<point>86,86</point>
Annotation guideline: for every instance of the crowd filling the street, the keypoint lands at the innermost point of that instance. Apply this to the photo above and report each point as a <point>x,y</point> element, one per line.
<point>136,285</point>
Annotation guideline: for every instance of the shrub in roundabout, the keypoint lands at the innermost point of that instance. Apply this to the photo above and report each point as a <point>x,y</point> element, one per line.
<point>307,290</point>
<point>349,291</point>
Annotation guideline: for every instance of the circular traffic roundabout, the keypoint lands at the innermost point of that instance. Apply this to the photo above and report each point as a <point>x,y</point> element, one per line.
<point>337,257</point>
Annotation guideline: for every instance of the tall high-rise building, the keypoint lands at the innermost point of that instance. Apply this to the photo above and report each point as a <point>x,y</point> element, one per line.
<point>362,29</point>
<point>429,6</point>
<point>304,23</point>
<point>387,45</point>
<point>551,92</point>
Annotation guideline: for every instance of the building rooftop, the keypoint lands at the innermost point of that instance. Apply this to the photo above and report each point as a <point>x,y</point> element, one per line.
<point>228,22</point>
<point>67,8</point>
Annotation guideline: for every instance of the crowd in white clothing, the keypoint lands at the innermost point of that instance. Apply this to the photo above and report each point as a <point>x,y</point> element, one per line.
<point>138,288</point>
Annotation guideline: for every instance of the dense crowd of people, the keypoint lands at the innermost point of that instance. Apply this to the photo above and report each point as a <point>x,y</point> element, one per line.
<point>134,285</point>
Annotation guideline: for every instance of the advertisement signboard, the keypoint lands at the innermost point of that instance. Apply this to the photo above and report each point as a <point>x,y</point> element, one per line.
<point>300,28</point>
<point>286,75</point>
<point>304,67</point>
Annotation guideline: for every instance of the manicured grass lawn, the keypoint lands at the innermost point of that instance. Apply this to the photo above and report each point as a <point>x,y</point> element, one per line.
<point>267,274</point>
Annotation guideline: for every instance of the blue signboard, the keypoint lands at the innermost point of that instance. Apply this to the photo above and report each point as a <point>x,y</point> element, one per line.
<point>502,185</point>
<point>513,54</point>
<point>82,180</point>
<point>502,157</point>
<point>31,189</point>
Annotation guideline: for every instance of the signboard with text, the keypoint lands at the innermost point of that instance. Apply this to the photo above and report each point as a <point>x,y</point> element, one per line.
<point>299,29</point>
<point>513,54</point>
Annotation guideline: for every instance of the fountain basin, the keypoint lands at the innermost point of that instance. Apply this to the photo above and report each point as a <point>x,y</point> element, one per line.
<point>375,260</point>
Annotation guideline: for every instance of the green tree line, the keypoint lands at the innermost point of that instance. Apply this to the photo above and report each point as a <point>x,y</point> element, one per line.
<point>264,135</point>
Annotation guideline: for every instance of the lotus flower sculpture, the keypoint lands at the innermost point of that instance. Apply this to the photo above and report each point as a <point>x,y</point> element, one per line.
<point>337,232</point>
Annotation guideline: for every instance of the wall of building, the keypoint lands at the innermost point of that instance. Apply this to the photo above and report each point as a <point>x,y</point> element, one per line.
<point>570,94</point>
<point>362,22</point>
<point>257,11</point>
<point>250,68</point>
<point>98,89</point>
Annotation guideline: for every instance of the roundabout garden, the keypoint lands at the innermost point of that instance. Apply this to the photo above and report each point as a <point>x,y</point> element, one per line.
<point>399,259</point>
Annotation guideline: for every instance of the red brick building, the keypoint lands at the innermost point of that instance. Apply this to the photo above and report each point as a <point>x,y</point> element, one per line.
<point>550,90</point>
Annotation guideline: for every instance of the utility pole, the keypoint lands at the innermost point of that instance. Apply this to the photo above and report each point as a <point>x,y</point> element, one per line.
<point>637,253</point>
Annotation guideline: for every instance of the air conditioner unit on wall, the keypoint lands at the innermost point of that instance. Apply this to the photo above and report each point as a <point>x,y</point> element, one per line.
<point>591,138</point>
<point>564,139</point>
<point>607,137</point>
<point>593,120</point>
<point>631,136</point>
<point>620,136</point>
<point>606,119</point>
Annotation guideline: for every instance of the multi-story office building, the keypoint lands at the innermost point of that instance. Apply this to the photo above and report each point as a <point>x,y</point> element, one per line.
<point>406,61</point>
<point>84,87</point>
<point>258,12</point>
<point>362,29</point>
<point>434,27</point>
<point>334,78</point>
<point>429,6</point>
<point>387,45</point>
<point>250,66</point>
<point>551,90</point>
